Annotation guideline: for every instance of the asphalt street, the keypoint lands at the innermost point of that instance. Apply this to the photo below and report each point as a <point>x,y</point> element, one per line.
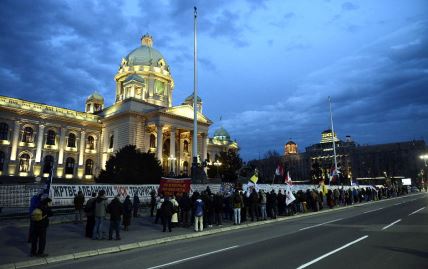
<point>386,234</point>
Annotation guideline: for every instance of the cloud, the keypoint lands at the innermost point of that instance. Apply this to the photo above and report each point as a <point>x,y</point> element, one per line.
<point>348,6</point>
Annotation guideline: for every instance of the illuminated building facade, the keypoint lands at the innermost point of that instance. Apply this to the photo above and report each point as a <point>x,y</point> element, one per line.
<point>35,137</point>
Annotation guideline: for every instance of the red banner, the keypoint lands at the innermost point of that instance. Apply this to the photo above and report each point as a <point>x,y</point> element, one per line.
<point>169,186</point>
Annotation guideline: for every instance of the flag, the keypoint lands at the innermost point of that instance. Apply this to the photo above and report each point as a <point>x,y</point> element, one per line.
<point>289,196</point>
<point>254,179</point>
<point>287,179</point>
<point>279,170</point>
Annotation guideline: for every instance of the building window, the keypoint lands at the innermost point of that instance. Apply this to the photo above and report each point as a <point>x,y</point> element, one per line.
<point>48,164</point>
<point>186,146</point>
<point>89,165</point>
<point>4,131</point>
<point>111,142</point>
<point>152,141</point>
<point>27,136</point>
<point>24,163</point>
<point>186,168</point>
<point>91,143</point>
<point>2,157</point>
<point>69,166</point>
<point>50,139</point>
<point>71,143</point>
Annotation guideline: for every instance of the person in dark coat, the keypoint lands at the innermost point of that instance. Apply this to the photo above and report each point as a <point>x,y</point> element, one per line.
<point>152,202</point>
<point>115,208</point>
<point>166,212</point>
<point>136,205</point>
<point>185,206</point>
<point>90,215</point>
<point>127,212</point>
<point>79,201</point>
<point>40,226</point>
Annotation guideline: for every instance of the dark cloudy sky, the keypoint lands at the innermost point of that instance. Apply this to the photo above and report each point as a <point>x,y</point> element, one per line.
<point>267,67</point>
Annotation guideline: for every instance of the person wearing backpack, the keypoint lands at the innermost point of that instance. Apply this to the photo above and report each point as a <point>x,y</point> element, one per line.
<point>40,218</point>
<point>90,215</point>
<point>199,213</point>
<point>237,204</point>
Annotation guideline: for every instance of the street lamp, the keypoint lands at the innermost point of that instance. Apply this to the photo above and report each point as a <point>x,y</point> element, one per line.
<point>172,159</point>
<point>217,164</point>
<point>425,158</point>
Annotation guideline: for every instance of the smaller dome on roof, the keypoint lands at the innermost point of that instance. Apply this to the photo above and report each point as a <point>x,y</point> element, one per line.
<point>221,134</point>
<point>95,97</point>
<point>190,98</point>
<point>326,131</point>
<point>291,143</point>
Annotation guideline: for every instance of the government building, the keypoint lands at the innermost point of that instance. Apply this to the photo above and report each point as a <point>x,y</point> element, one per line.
<point>35,137</point>
<point>359,163</point>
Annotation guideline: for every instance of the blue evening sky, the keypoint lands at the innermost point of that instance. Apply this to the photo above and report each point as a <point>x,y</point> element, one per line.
<point>266,67</point>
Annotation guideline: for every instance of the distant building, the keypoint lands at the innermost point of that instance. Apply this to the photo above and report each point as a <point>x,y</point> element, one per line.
<point>392,160</point>
<point>35,137</point>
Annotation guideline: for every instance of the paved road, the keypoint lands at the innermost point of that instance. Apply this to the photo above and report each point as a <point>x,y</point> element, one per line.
<point>386,234</point>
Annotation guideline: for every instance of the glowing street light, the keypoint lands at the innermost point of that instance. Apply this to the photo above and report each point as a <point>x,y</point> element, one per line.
<point>425,158</point>
<point>217,164</point>
<point>172,160</point>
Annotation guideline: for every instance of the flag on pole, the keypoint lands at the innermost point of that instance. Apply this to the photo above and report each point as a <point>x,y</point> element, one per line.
<point>287,179</point>
<point>289,196</point>
<point>254,178</point>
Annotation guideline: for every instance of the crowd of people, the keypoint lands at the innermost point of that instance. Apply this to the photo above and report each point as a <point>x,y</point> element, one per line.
<point>200,210</point>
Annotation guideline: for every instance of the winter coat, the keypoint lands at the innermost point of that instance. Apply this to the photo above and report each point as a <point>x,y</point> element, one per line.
<point>237,200</point>
<point>174,218</point>
<point>127,207</point>
<point>166,209</point>
<point>199,208</point>
<point>115,208</point>
<point>185,203</point>
<point>79,200</point>
<point>90,207</point>
<point>100,206</point>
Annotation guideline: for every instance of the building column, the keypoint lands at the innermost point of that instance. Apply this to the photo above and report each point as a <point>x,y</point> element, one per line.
<point>15,140</point>
<point>82,147</point>
<point>204,147</point>
<point>61,145</point>
<point>172,148</point>
<point>159,139</point>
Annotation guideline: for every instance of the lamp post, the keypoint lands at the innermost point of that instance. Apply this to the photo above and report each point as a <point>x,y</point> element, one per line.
<point>172,159</point>
<point>423,172</point>
<point>217,164</point>
<point>425,158</point>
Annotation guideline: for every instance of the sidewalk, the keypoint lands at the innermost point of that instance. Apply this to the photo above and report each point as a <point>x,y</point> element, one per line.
<point>66,241</point>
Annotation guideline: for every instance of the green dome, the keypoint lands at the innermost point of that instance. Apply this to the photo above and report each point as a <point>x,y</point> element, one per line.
<point>95,96</point>
<point>145,54</point>
<point>135,78</point>
<point>221,134</point>
<point>190,98</point>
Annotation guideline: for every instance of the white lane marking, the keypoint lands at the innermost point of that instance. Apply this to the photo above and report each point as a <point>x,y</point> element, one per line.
<point>373,210</point>
<point>319,224</point>
<point>331,252</point>
<point>414,212</point>
<point>191,258</point>
<point>387,226</point>
<point>398,204</point>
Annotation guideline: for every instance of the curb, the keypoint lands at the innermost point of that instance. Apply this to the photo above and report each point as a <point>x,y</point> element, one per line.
<point>148,243</point>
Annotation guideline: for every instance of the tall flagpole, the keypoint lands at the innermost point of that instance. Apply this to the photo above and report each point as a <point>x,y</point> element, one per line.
<point>195,96</point>
<point>334,142</point>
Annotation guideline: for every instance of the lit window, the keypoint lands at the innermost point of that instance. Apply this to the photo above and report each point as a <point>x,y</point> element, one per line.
<point>111,142</point>
<point>27,136</point>
<point>152,141</point>
<point>186,146</point>
<point>91,143</point>
<point>69,166</point>
<point>24,163</point>
<point>2,157</point>
<point>89,165</point>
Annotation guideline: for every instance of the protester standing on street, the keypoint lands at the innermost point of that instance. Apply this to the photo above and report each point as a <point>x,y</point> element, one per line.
<point>136,205</point>
<point>199,214</point>
<point>40,217</point>
<point>79,200</point>
<point>175,210</point>
<point>34,203</point>
<point>152,202</point>
<point>237,204</point>
<point>166,212</point>
<point>185,206</point>
<point>100,215</point>
<point>115,208</point>
<point>90,215</point>
<point>127,212</point>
